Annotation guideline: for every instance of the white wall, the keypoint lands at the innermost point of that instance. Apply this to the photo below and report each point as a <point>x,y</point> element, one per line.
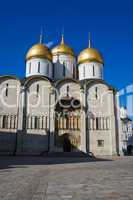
<point>9,100</point>
<point>9,103</point>
<point>86,70</point>
<point>37,103</point>
<point>102,108</point>
<point>46,67</point>
<point>70,66</point>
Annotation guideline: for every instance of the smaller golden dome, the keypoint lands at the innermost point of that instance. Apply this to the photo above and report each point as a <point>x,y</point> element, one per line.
<point>89,55</point>
<point>62,48</point>
<point>39,51</point>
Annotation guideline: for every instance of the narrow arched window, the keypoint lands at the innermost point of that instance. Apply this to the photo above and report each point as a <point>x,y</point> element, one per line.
<point>53,70</point>
<point>74,71</point>
<point>6,91</point>
<point>93,70</point>
<point>96,95</point>
<point>47,69</point>
<point>37,88</point>
<point>64,70</point>
<point>38,67</point>
<point>101,72</point>
<point>84,71</point>
<point>67,90</point>
<point>29,67</point>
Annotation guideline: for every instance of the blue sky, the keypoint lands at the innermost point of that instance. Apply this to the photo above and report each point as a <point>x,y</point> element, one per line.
<point>110,24</point>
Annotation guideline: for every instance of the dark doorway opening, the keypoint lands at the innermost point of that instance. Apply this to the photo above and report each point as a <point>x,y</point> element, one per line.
<point>130,150</point>
<point>66,144</point>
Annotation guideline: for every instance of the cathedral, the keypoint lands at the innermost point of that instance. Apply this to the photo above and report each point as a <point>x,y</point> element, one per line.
<point>62,105</point>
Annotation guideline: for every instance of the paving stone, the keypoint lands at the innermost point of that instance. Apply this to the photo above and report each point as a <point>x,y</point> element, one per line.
<point>40,178</point>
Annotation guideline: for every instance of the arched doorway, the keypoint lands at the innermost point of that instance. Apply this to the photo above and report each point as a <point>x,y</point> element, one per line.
<point>67,147</point>
<point>67,124</point>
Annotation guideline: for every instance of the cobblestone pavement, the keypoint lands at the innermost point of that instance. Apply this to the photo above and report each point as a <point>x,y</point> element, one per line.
<point>40,178</point>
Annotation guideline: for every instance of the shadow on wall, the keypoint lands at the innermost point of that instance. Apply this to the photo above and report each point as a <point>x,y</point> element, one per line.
<point>22,143</point>
<point>36,144</point>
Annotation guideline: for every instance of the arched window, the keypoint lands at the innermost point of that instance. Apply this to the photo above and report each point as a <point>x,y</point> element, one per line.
<point>38,67</point>
<point>67,90</point>
<point>74,71</point>
<point>53,70</point>
<point>64,70</point>
<point>84,71</point>
<point>93,70</point>
<point>37,88</point>
<point>96,95</point>
<point>6,91</point>
<point>47,69</point>
<point>101,72</point>
<point>29,67</point>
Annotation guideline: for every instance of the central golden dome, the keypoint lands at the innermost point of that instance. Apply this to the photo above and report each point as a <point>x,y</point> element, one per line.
<point>39,51</point>
<point>62,48</point>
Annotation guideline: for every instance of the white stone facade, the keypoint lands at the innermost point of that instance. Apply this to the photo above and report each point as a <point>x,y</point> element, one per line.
<point>91,125</point>
<point>54,110</point>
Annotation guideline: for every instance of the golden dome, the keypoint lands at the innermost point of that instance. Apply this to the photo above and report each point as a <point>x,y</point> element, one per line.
<point>62,48</point>
<point>39,51</point>
<point>89,55</point>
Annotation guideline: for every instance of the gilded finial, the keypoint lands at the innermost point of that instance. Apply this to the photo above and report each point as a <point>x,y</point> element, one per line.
<point>62,36</point>
<point>41,36</point>
<point>62,39</point>
<point>89,40</point>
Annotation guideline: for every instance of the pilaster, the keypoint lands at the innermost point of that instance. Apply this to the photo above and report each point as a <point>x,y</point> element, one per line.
<point>83,119</point>
<point>52,120</point>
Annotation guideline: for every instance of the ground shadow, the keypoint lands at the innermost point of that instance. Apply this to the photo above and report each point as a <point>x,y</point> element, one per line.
<point>7,162</point>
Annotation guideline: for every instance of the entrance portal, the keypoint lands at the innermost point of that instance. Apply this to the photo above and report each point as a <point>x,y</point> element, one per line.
<point>67,125</point>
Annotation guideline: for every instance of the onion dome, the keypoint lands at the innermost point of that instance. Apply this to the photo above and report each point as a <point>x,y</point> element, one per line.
<point>90,55</point>
<point>39,51</point>
<point>62,48</point>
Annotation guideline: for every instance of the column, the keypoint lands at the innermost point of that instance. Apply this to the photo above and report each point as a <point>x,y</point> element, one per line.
<point>94,124</point>
<point>9,117</point>
<point>29,122</point>
<point>33,122</point>
<point>104,120</point>
<point>65,123</point>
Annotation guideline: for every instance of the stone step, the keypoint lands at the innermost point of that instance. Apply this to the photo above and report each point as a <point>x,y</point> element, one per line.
<point>67,154</point>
